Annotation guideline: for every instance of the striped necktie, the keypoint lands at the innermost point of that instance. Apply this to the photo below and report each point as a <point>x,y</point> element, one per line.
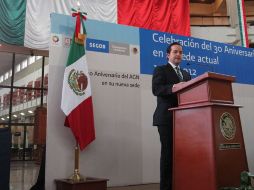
<point>179,74</point>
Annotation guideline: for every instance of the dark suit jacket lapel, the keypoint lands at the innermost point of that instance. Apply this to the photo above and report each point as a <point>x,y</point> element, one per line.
<point>172,74</point>
<point>186,76</point>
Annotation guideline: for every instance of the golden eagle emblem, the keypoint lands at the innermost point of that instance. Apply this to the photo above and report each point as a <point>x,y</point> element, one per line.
<point>78,82</point>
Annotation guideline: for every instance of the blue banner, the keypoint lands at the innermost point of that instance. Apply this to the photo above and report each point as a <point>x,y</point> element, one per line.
<point>199,55</point>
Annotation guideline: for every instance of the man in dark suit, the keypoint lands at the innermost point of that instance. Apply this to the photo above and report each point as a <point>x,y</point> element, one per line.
<point>165,78</point>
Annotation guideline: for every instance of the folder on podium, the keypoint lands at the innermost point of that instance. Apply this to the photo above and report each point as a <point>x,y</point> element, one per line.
<point>209,151</point>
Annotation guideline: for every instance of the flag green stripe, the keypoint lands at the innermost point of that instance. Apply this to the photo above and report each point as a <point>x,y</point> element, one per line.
<point>12,21</point>
<point>76,50</point>
<point>241,23</point>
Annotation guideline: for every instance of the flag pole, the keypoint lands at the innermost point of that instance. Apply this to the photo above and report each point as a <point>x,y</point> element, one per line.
<point>76,176</point>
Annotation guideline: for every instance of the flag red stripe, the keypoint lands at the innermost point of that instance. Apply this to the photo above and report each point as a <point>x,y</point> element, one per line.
<point>171,16</point>
<point>77,28</point>
<point>82,123</point>
<point>180,18</point>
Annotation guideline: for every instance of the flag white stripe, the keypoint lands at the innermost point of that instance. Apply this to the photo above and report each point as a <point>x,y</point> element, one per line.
<point>69,99</point>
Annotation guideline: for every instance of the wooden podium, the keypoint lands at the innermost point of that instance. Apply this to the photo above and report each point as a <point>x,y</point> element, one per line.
<point>209,151</point>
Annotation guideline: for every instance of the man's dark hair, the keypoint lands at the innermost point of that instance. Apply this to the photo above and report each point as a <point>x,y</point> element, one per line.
<point>172,44</point>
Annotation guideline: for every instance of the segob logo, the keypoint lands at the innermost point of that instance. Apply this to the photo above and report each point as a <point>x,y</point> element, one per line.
<point>227,126</point>
<point>77,81</point>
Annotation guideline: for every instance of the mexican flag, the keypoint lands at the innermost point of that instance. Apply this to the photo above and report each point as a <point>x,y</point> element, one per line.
<point>76,93</point>
<point>21,21</point>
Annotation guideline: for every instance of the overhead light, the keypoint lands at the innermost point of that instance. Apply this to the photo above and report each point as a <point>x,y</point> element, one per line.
<point>15,115</point>
<point>2,118</point>
<point>22,113</point>
<point>78,4</point>
<point>30,111</point>
<point>7,117</point>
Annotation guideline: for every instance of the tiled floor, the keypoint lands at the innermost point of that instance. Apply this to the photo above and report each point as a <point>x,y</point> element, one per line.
<point>24,175</point>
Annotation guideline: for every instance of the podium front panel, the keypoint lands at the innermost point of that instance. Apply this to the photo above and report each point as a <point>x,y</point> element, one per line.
<point>194,165</point>
<point>220,91</point>
<point>209,151</point>
<point>194,94</point>
<point>229,146</point>
<point>207,91</point>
